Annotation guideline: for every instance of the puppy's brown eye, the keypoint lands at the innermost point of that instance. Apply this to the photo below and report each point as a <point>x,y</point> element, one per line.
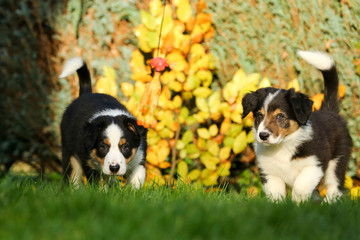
<point>280,117</point>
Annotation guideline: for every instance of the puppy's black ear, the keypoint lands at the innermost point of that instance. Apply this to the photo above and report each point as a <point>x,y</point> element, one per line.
<point>133,127</point>
<point>301,105</point>
<point>91,132</point>
<point>249,103</point>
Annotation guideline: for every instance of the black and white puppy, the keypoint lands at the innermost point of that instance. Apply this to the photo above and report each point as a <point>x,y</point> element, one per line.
<point>99,136</point>
<point>296,147</point>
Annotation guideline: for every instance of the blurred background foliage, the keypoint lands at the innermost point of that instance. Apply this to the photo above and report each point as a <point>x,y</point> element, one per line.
<point>251,40</point>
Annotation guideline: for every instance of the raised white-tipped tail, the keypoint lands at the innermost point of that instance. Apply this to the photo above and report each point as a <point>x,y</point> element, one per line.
<point>320,60</point>
<point>71,66</point>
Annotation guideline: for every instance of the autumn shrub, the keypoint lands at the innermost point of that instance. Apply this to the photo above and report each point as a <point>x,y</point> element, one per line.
<point>196,129</point>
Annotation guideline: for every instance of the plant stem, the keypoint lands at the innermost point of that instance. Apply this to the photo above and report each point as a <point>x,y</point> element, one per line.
<point>173,156</point>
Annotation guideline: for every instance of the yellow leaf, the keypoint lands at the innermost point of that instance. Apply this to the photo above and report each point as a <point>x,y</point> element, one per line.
<point>236,117</point>
<point>197,34</point>
<point>176,61</point>
<point>317,99</point>
<point>155,7</point>
<point>152,158</point>
<point>194,174</point>
<point>175,86</point>
<point>144,45</point>
<point>166,133</point>
<point>137,63</point>
<point>209,161</point>
<point>348,182</point>
<point>148,20</point>
<point>183,11</point>
<point>152,39</point>
<point>184,113</point>
<point>168,23</point>
<point>109,73</point>
<point>209,177</point>
<point>225,126</point>
<point>164,165</point>
<point>265,82</point>
<point>197,50</point>
<point>224,153</point>
<point>213,147</point>
<point>203,133</point>
<point>294,84</point>
<point>202,92</point>
<point>202,104</point>
<point>323,192</point>
<point>230,92</point>
<point>127,88</point>
<point>177,102</point>
<point>191,149</point>
<point>214,101</point>
<point>342,91</point>
<point>240,143</point>
<point>180,145</point>
<point>355,193</point>
<point>191,83</point>
<point>224,169</point>
<point>250,137</point>
<point>205,77</point>
<point>107,84</point>
<point>180,76</point>
<point>240,79</point>
<point>167,77</point>
<point>182,169</point>
<point>163,151</point>
<point>214,130</point>
<point>187,137</point>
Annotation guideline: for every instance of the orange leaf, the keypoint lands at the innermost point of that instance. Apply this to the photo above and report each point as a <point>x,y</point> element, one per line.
<point>149,99</point>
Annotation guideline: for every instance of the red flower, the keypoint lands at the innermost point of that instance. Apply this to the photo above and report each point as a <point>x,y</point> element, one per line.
<point>159,64</point>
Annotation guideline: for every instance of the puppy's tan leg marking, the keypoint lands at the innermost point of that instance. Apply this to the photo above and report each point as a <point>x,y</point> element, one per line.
<point>76,173</point>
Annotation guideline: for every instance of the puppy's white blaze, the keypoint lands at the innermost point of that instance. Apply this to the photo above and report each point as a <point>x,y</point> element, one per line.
<point>331,182</point>
<point>137,177</point>
<point>114,156</point>
<point>111,113</point>
<point>269,99</point>
<point>320,60</point>
<point>71,66</point>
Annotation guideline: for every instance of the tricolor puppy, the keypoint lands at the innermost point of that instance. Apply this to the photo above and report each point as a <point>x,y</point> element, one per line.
<point>99,136</point>
<point>296,147</point>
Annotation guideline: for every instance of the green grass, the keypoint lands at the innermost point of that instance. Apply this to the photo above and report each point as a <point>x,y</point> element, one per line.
<point>31,209</point>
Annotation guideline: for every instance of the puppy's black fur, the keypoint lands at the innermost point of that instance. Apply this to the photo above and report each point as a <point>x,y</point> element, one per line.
<point>84,132</point>
<point>322,135</point>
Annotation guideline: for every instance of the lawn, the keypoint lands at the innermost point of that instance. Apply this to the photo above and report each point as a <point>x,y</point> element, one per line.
<point>34,209</point>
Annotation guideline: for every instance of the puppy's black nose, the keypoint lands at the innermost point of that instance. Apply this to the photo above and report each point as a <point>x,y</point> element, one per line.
<point>114,168</point>
<point>264,135</point>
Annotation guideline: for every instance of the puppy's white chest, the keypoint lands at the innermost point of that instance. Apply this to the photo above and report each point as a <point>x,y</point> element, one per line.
<point>279,162</point>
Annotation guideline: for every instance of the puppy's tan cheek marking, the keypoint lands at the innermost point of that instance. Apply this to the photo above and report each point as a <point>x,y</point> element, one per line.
<point>95,157</point>
<point>107,142</point>
<point>122,142</point>
<point>292,128</point>
<point>133,153</point>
